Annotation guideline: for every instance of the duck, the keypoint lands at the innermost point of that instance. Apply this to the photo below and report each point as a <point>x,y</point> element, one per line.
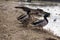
<point>24,18</point>
<point>41,23</point>
<point>37,11</point>
<point>33,11</point>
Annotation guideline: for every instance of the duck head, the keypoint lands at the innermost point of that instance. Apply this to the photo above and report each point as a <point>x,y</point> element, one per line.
<point>47,15</point>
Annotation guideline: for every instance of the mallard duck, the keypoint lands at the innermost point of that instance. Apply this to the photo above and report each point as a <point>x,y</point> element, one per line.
<point>24,17</point>
<point>41,23</point>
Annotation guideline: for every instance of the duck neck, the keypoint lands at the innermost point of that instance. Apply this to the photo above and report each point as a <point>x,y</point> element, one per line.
<point>46,19</point>
<point>28,13</point>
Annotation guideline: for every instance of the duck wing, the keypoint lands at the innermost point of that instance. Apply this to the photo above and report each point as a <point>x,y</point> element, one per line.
<point>24,8</point>
<point>21,17</point>
<point>37,22</point>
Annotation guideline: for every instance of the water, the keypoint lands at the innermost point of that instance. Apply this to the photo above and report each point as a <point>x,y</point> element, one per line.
<point>53,26</point>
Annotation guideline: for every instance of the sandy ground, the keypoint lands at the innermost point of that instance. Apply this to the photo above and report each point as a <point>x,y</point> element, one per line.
<point>10,29</point>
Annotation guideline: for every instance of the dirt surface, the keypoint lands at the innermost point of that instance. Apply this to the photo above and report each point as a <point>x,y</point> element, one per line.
<point>10,29</point>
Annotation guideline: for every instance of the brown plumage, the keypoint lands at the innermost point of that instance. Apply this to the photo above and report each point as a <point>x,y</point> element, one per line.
<point>24,19</point>
<point>37,11</point>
